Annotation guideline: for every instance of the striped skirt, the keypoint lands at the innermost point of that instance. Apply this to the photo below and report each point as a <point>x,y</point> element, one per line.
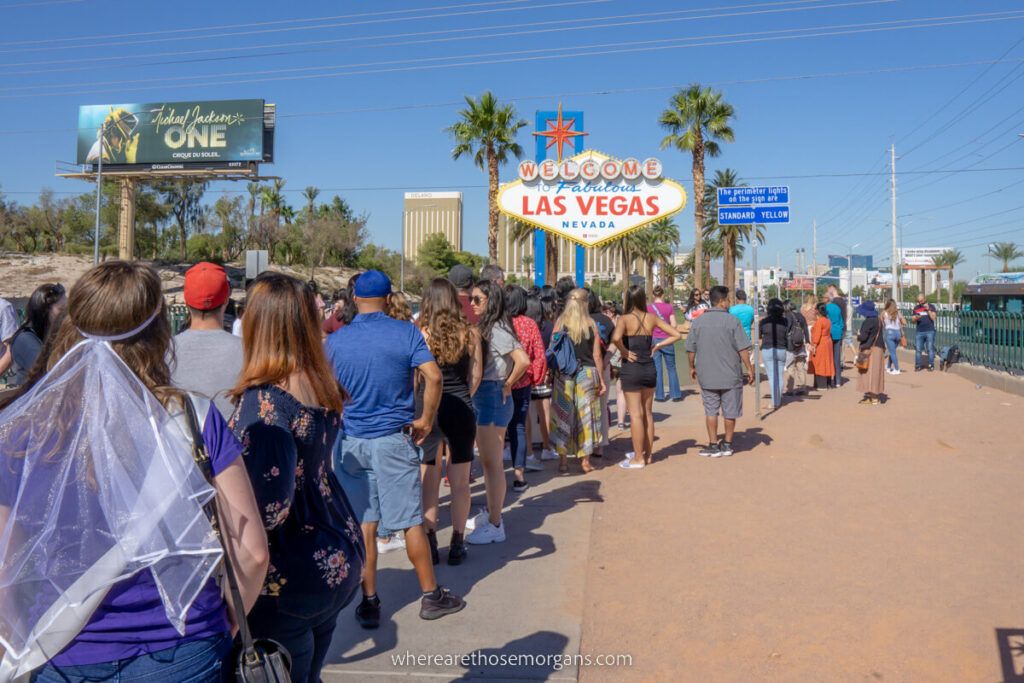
<point>576,414</point>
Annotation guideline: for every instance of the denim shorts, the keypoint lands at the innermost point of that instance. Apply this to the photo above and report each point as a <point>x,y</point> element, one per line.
<point>492,408</point>
<point>381,477</point>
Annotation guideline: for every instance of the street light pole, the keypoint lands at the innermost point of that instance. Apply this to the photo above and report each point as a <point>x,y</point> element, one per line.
<point>814,260</point>
<point>895,253</point>
<point>754,331</point>
<point>99,194</point>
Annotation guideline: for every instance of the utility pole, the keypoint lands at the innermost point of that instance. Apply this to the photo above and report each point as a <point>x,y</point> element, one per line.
<point>895,252</point>
<point>754,330</point>
<point>814,259</point>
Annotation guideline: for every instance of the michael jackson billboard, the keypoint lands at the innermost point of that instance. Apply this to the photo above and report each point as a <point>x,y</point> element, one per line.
<point>171,132</point>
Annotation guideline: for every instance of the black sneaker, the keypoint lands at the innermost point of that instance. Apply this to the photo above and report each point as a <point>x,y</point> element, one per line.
<point>432,539</point>
<point>439,603</point>
<point>519,486</point>
<point>710,451</point>
<point>725,447</point>
<point>368,612</point>
<point>456,549</point>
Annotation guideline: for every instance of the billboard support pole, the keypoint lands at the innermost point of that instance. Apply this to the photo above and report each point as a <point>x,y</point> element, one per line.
<point>126,221</point>
<point>99,194</point>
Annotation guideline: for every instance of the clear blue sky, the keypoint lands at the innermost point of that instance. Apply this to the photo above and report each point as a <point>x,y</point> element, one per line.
<point>831,125</point>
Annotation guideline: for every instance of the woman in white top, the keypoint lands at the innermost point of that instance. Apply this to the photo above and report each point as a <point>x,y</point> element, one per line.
<point>893,322</point>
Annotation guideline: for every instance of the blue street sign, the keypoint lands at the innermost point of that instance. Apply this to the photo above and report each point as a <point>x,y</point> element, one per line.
<point>745,215</point>
<point>740,196</point>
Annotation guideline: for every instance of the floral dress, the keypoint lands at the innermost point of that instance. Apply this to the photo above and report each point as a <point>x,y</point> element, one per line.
<point>316,545</point>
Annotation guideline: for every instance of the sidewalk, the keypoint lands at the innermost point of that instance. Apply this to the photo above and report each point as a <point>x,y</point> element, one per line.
<point>841,543</point>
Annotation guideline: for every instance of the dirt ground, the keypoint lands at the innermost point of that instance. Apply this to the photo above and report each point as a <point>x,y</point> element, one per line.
<point>20,274</point>
<point>841,543</point>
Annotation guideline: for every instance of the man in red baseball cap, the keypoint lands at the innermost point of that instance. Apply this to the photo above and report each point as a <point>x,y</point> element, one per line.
<point>207,360</point>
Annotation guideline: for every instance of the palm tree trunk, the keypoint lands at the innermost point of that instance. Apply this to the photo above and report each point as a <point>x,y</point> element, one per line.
<point>183,246</point>
<point>729,263</point>
<point>950,286</point>
<point>650,275</point>
<point>625,269</point>
<point>698,205</point>
<point>551,259</point>
<point>492,205</point>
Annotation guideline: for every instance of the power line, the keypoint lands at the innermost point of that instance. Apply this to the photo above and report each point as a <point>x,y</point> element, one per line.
<point>943,228</point>
<point>532,57</point>
<point>960,93</point>
<point>582,93</point>
<point>39,3</point>
<point>473,55</point>
<point>962,201</point>
<point>316,27</point>
<point>979,161</point>
<point>93,38</point>
<point>666,15</point>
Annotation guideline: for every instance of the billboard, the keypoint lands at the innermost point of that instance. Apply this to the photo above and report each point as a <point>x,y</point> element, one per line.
<point>172,132</point>
<point>920,258</point>
<point>591,198</point>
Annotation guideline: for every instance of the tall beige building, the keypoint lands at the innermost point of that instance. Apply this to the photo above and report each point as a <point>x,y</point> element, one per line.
<point>427,213</point>
<point>517,257</point>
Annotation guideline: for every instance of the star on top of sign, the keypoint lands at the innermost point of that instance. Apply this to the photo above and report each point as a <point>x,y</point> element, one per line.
<point>560,132</point>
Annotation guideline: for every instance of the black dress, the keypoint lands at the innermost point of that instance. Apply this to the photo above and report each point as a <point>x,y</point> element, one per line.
<point>641,373</point>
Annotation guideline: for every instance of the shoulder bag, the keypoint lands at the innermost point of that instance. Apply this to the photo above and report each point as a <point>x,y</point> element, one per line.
<point>863,360</point>
<point>257,661</point>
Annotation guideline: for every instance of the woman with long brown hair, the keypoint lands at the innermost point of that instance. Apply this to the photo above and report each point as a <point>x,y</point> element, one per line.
<point>455,346</point>
<point>93,447</point>
<point>287,417</point>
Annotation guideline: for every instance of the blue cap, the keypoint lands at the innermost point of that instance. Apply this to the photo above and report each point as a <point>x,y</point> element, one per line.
<point>372,284</point>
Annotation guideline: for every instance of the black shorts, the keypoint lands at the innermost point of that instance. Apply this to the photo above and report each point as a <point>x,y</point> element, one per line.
<point>455,425</point>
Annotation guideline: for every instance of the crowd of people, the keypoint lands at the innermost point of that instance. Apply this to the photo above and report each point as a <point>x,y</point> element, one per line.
<point>327,432</point>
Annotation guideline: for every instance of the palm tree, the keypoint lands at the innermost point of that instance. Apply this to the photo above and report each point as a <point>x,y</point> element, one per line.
<point>697,119</point>
<point>731,236</point>
<point>522,233</point>
<point>627,248</point>
<point>948,260</point>
<point>656,243</point>
<point>711,248</point>
<point>310,193</point>
<point>1005,252</point>
<point>487,130</point>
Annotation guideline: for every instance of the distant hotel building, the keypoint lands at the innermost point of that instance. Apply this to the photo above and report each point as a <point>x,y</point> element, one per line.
<point>516,258</point>
<point>428,213</point>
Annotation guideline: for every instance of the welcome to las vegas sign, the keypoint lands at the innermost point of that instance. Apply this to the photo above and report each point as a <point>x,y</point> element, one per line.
<point>591,198</point>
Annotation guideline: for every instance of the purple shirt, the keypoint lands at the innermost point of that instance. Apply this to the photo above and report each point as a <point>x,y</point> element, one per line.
<point>663,311</point>
<point>131,620</point>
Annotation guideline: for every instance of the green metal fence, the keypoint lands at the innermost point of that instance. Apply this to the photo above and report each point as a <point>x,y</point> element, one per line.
<point>992,339</point>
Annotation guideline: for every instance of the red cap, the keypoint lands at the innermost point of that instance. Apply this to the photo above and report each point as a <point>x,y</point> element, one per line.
<point>206,286</point>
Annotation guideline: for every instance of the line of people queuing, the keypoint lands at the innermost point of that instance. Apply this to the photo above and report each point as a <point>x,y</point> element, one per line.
<point>324,433</point>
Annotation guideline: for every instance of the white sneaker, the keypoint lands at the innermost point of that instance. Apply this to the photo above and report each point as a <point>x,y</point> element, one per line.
<point>392,542</point>
<point>533,464</point>
<point>486,533</point>
<point>897,372</point>
<point>507,455</point>
<point>548,454</point>
<point>480,518</point>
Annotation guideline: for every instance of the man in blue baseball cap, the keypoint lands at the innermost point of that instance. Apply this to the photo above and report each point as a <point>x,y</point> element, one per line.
<point>375,359</point>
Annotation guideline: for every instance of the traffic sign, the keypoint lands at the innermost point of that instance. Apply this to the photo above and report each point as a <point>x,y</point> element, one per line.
<point>745,215</point>
<point>747,196</point>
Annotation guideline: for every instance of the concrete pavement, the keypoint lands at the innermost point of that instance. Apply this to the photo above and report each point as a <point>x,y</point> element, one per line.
<point>841,543</point>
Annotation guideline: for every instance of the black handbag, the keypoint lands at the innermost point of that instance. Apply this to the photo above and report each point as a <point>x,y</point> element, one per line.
<point>256,661</point>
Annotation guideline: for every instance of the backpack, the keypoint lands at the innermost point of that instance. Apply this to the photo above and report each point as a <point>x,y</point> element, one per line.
<point>795,338</point>
<point>561,355</point>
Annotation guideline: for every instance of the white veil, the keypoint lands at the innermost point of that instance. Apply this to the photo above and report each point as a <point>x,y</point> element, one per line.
<point>101,485</point>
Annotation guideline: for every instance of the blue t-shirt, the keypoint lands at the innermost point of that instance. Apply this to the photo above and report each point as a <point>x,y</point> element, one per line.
<point>131,621</point>
<point>745,312</point>
<point>374,358</point>
<point>835,316</point>
<point>924,321</point>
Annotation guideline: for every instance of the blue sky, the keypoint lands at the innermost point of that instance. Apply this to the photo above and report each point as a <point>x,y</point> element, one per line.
<point>959,117</point>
